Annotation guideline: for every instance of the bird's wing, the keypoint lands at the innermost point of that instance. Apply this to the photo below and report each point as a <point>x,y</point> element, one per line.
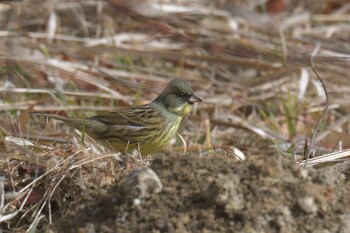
<point>133,117</point>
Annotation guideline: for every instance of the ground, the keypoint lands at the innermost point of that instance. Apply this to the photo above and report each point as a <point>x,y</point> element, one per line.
<point>220,194</point>
<point>258,70</point>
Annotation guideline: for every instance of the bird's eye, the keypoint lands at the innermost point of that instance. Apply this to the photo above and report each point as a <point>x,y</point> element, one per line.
<point>182,95</point>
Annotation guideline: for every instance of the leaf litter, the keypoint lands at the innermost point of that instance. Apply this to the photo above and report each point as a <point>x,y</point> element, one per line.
<point>261,98</point>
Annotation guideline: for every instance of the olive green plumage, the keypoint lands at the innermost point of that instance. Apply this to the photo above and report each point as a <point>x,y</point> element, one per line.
<point>146,128</point>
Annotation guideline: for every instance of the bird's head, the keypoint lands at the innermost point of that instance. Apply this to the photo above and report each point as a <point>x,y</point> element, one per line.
<point>178,97</point>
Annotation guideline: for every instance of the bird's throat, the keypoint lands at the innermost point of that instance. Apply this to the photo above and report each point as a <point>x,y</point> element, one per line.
<point>181,110</point>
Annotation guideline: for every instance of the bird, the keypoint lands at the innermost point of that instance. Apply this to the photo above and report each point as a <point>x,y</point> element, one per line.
<point>146,128</point>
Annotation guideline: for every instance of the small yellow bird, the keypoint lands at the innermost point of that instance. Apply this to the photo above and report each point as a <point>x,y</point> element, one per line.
<point>146,128</point>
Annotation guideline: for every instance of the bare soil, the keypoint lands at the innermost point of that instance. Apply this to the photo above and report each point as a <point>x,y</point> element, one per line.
<point>220,194</point>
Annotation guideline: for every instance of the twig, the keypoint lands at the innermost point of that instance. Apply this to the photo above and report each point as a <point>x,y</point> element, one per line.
<point>325,110</point>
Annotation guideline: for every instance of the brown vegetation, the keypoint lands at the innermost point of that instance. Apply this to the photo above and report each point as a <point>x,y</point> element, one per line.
<point>250,65</point>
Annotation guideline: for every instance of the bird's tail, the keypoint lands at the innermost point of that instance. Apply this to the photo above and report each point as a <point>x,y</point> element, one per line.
<point>73,122</point>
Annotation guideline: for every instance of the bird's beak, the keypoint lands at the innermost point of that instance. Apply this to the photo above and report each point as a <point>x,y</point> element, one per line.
<point>194,99</point>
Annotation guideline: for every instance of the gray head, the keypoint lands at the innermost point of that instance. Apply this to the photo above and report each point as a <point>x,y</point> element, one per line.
<point>178,97</point>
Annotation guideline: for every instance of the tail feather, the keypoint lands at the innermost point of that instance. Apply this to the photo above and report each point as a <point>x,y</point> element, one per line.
<point>73,122</point>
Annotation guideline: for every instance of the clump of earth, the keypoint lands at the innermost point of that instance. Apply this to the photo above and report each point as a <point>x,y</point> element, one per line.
<point>218,194</point>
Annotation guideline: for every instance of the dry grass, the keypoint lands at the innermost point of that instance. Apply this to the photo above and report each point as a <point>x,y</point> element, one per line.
<point>82,57</point>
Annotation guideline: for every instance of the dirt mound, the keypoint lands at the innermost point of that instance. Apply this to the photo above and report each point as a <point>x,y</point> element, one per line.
<point>218,194</point>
